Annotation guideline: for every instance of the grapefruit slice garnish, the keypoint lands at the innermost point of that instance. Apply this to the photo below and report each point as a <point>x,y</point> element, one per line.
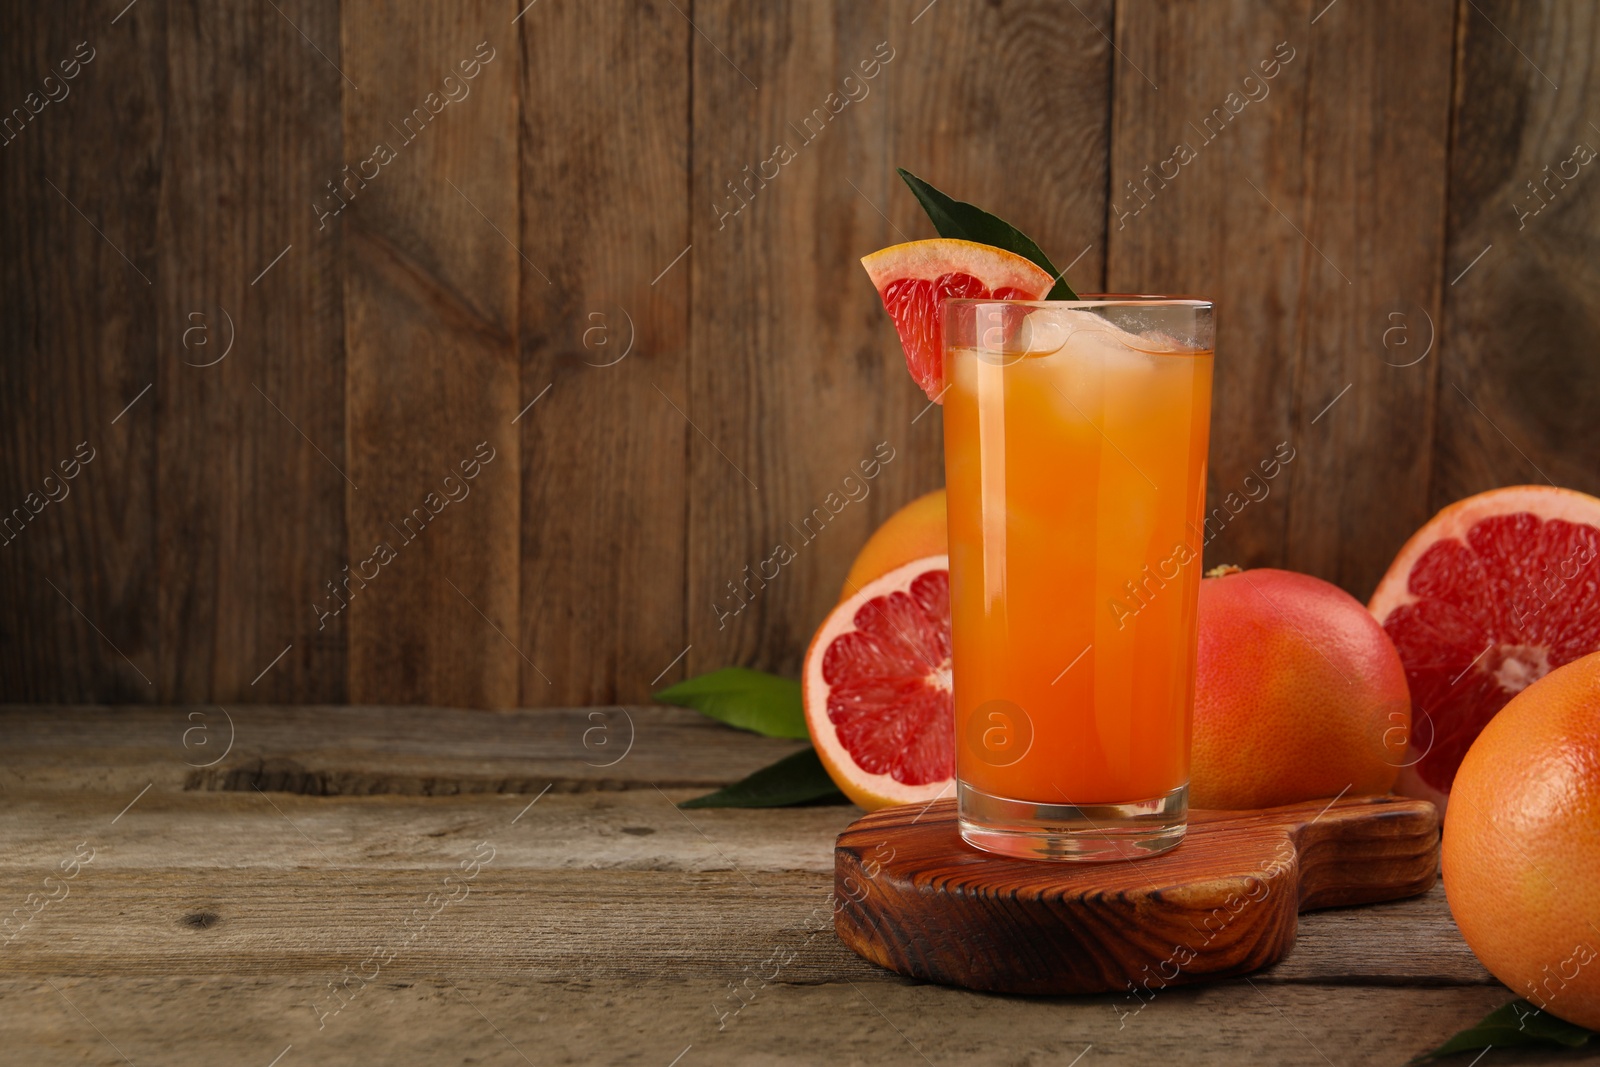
<point>877,688</point>
<point>913,278</point>
<point>1496,591</point>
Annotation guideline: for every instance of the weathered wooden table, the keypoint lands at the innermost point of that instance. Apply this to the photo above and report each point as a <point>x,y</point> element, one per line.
<point>288,886</point>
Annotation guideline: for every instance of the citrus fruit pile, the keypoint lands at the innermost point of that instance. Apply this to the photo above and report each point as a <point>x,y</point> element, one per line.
<point>1472,673</point>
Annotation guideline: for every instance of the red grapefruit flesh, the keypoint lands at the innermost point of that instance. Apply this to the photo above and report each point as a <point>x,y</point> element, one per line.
<point>913,278</point>
<point>1495,592</point>
<point>877,688</point>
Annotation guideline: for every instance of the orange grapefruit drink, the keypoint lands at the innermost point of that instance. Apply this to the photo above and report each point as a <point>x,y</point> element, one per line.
<point>1075,467</point>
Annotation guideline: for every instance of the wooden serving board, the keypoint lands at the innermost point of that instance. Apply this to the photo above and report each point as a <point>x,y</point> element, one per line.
<point>913,897</point>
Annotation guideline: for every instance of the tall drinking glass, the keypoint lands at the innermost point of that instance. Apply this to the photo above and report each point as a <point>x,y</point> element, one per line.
<point>1075,436</point>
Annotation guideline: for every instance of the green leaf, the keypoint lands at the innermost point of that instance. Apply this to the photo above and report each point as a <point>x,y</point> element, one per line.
<point>963,221</point>
<point>796,779</point>
<point>751,700</point>
<point>1517,1023</point>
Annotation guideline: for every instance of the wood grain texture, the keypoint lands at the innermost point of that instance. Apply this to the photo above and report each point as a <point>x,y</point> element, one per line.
<point>419,1018</point>
<point>1025,132</point>
<point>1182,223</point>
<point>918,900</point>
<point>336,751</point>
<point>411,797</point>
<point>604,925</point>
<point>82,176</point>
<point>785,372</point>
<point>1520,386</point>
<point>1374,199</point>
<point>796,380</point>
<point>1376,139</point>
<point>633,833</point>
<point>431,294</point>
<point>251,503</point>
<point>1312,223</point>
<point>601,922</point>
<point>605,342</point>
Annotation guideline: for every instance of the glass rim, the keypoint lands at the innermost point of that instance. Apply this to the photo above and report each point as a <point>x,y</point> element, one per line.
<point>1095,300</point>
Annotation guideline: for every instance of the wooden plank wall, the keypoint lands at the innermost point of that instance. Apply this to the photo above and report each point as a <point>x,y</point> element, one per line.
<point>1310,215</point>
<point>78,309</point>
<point>431,294</point>
<point>576,260</point>
<point>246,515</point>
<point>1519,389</point>
<point>605,347</point>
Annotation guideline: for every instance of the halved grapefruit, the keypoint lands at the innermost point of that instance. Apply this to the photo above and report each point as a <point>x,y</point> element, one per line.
<point>913,278</point>
<point>1496,591</point>
<point>877,688</point>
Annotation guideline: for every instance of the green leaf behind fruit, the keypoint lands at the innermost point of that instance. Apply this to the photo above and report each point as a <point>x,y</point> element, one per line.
<point>966,222</point>
<point>796,779</point>
<point>751,700</point>
<point>1517,1023</point>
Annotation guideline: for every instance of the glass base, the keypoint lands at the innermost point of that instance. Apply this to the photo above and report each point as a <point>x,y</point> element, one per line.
<point>1084,832</point>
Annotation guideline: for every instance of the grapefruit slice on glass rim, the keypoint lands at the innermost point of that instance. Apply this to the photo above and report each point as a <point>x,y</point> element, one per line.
<point>1496,591</point>
<point>913,278</point>
<point>876,686</point>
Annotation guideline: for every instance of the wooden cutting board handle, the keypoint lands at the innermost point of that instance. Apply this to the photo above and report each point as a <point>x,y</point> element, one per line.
<point>911,896</point>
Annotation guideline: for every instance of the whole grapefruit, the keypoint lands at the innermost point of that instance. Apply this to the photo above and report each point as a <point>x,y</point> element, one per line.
<point>1299,694</point>
<point>916,531</point>
<point>1521,855</point>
